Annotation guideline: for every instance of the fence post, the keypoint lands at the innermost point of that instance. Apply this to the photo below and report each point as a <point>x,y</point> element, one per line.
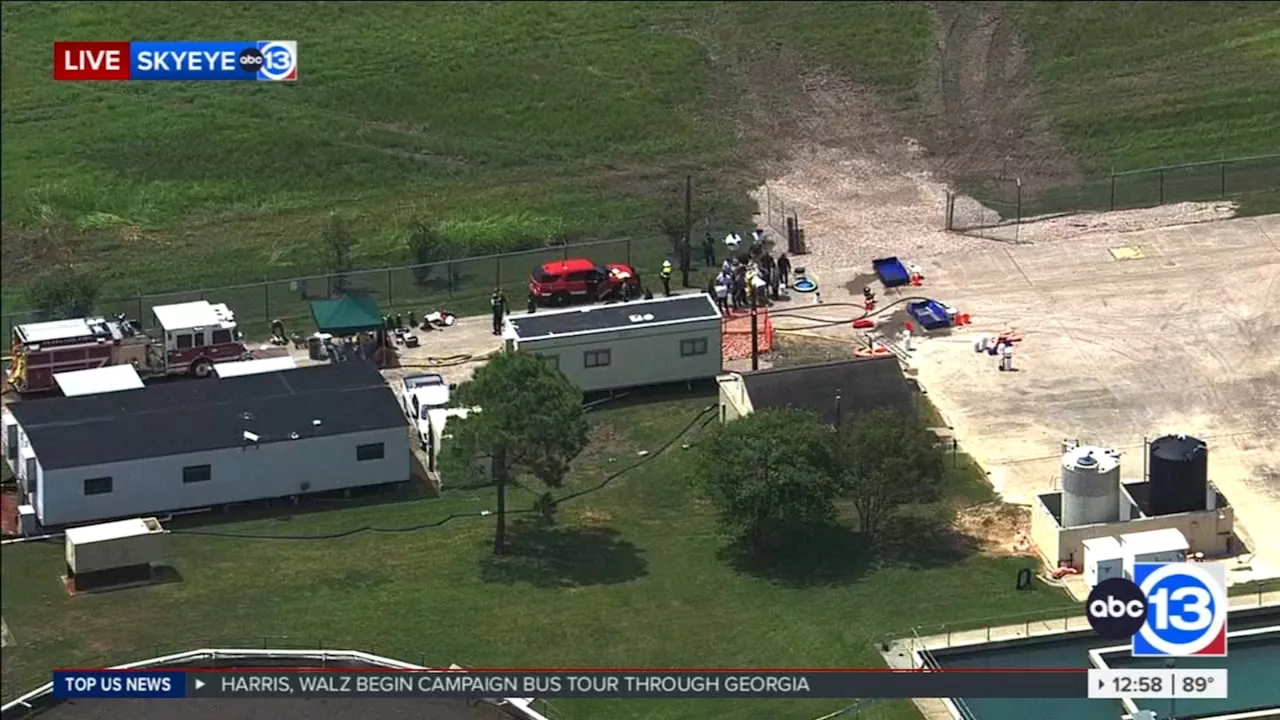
<point>1222,179</point>
<point>391,298</point>
<point>497,271</point>
<point>1018,220</point>
<point>448,271</point>
<point>266,299</point>
<point>140,318</point>
<point>1113,189</point>
<point>1161,186</point>
<point>564,246</point>
<point>629,263</point>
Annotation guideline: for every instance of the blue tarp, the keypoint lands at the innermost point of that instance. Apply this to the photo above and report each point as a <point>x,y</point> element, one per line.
<point>931,314</point>
<point>891,271</point>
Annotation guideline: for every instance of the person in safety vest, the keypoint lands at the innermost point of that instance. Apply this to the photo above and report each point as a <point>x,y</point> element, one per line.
<point>666,277</point>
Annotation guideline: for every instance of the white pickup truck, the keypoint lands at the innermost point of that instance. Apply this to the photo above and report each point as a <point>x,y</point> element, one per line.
<point>419,394</point>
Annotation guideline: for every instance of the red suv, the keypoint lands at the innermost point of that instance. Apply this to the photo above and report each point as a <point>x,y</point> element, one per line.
<point>562,281</point>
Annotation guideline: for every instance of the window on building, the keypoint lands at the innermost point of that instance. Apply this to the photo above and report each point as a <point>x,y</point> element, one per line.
<point>693,346</point>
<point>221,337</point>
<point>553,361</point>
<point>97,486</point>
<point>183,341</point>
<point>199,340</point>
<point>197,473</point>
<point>597,358</point>
<point>372,451</point>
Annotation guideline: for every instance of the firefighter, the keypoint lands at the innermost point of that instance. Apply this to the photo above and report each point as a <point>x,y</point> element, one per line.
<point>709,250</point>
<point>498,304</point>
<point>666,277</point>
<point>868,299</point>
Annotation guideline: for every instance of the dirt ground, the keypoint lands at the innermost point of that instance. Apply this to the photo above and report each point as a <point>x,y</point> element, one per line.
<point>1001,529</point>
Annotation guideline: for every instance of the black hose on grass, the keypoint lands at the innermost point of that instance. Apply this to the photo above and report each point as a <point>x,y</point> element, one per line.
<point>702,417</point>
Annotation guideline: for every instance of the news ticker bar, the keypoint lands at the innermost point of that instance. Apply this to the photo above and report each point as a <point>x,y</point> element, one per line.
<point>600,684</point>
<point>1158,683</point>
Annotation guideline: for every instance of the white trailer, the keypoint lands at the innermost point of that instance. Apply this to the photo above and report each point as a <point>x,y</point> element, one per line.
<point>623,345</point>
<point>114,545</point>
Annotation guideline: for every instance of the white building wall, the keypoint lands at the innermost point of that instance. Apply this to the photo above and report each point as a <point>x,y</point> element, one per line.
<point>255,472</point>
<point>638,356</point>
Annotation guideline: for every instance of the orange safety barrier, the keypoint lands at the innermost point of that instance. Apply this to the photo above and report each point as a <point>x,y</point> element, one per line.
<point>736,343</point>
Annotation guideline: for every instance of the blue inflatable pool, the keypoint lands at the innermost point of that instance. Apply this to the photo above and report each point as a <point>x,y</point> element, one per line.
<point>931,314</point>
<point>891,271</point>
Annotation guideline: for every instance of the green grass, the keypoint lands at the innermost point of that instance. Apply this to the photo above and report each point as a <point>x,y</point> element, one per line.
<point>631,576</point>
<point>1139,85</point>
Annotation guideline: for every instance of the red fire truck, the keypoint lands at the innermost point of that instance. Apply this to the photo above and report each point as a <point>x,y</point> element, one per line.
<point>191,338</point>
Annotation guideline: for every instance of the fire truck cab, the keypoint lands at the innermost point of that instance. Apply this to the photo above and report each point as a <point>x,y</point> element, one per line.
<point>194,336</point>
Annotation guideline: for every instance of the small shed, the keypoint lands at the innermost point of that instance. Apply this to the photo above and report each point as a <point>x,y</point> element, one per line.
<point>629,344</point>
<point>113,553</point>
<point>1167,545</point>
<point>347,315</point>
<point>112,378</point>
<point>1103,559</point>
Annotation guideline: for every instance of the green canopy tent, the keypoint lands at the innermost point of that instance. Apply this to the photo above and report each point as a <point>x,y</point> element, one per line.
<point>347,315</point>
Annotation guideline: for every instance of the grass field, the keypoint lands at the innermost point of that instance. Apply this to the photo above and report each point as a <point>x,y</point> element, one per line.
<point>581,118</point>
<point>631,576</point>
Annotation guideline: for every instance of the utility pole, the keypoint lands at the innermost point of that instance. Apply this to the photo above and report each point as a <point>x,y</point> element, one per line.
<point>686,250</point>
<point>755,332</point>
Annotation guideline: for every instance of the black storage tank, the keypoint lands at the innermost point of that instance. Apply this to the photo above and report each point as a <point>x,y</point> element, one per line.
<point>1179,475</point>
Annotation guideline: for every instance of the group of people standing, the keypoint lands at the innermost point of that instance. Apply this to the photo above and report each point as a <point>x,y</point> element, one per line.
<point>749,278</point>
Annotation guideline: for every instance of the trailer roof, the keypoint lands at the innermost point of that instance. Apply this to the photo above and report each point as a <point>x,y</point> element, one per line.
<point>198,314</point>
<point>186,416</point>
<point>117,530</point>
<point>236,368</point>
<point>591,319</point>
<point>112,378</point>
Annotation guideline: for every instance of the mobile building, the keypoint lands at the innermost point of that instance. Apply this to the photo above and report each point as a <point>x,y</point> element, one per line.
<point>180,446</point>
<point>623,345</point>
<point>191,337</point>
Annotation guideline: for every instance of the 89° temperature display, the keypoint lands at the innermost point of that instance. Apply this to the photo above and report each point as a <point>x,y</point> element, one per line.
<point>1157,683</point>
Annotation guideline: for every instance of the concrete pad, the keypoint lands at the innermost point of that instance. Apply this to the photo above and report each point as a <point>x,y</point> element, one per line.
<point>1185,339</point>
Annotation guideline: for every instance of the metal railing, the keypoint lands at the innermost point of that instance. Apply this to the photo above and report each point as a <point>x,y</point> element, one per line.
<point>1006,203</point>
<point>454,285</point>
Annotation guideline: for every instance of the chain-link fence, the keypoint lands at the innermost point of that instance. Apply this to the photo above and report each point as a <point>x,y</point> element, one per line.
<point>459,286</point>
<point>994,208</point>
<point>776,212</point>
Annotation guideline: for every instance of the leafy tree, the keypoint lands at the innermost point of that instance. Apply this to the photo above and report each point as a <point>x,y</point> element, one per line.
<point>531,422</point>
<point>339,242</point>
<point>427,245</point>
<point>64,293</point>
<point>884,460</point>
<point>767,475</point>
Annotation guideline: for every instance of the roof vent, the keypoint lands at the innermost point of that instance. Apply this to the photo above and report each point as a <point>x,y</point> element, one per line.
<point>246,415</point>
<point>250,437</point>
<point>315,423</point>
<point>648,316</point>
<point>293,436</point>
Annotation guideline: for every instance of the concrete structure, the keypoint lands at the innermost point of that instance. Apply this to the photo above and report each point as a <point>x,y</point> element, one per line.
<point>187,445</point>
<point>1103,560</point>
<point>836,391</point>
<point>113,553</point>
<point>1210,532</point>
<point>1205,363</point>
<point>623,345</point>
<point>1090,486</point>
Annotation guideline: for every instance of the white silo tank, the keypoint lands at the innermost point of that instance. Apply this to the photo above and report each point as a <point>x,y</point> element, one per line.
<point>1090,486</point>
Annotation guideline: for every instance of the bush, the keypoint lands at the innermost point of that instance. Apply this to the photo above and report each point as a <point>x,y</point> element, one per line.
<point>496,234</point>
<point>63,293</point>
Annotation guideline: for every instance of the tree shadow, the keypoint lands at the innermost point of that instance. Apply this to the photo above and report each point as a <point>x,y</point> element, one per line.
<point>837,554</point>
<point>564,557</point>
